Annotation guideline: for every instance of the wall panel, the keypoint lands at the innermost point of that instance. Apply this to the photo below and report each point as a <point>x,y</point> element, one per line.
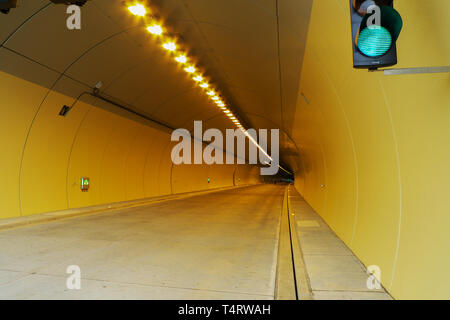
<point>135,163</point>
<point>46,155</point>
<point>379,145</point>
<point>124,159</point>
<point>87,157</point>
<point>18,110</point>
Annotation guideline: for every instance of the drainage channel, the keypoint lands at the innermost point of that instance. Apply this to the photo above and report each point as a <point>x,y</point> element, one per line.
<point>291,279</point>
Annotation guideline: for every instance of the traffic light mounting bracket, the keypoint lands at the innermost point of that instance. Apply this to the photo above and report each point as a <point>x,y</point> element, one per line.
<point>420,70</point>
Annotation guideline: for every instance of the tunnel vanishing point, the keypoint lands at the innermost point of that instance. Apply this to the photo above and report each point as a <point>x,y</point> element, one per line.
<point>92,205</point>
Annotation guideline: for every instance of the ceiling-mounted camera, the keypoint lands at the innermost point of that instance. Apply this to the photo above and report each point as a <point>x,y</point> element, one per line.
<point>79,3</point>
<point>7,5</point>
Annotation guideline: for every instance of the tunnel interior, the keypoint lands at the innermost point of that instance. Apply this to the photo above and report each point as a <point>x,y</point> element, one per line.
<point>367,152</point>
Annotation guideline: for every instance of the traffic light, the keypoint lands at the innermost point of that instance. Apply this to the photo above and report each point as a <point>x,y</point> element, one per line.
<point>376,26</point>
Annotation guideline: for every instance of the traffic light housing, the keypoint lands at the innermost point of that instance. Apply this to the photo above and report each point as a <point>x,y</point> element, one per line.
<point>376,26</point>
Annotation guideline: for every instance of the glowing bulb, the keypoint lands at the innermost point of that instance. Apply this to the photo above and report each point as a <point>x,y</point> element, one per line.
<point>215,98</point>
<point>138,10</point>
<point>190,69</point>
<point>204,85</point>
<point>198,78</point>
<point>155,29</point>
<point>170,46</point>
<point>211,93</point>
<point>221,104</point>
<point>227,111</point>
<point>181,59</point>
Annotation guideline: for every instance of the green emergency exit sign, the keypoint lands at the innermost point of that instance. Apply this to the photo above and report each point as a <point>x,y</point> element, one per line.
<point>85,182</point>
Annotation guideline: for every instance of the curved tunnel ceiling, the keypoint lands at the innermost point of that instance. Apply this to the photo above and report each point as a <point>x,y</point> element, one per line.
<point>251,50</point>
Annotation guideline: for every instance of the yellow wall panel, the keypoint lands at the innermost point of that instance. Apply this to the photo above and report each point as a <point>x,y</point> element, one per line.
<point>379,144</point>
<point>20,102</point>
<point>113,171</point>
<point>165,168</point>
<point>221,175</point>
<point>124,159</point>
<point>152,163</point>
<point>87,158</point>
<point>46,155</point>
<point>422,129</point>
<point>135,163</point>
<point>246,174</point>
<point>190,177</point>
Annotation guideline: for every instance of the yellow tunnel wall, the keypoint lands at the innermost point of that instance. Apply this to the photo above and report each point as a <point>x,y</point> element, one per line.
<point>374,159</point>
<point>44,155</point>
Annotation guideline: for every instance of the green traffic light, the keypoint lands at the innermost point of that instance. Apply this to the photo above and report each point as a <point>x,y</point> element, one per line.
<point>374,41</point>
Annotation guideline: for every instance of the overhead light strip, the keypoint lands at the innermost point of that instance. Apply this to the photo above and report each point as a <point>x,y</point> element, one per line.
<point>170,44</point>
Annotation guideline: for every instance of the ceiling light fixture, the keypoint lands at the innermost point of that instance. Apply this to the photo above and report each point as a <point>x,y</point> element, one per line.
<point>190,69</point>
<point>181,59</point>
<point>170,46</point>
<point>155,29</point>
<point>138,10</point>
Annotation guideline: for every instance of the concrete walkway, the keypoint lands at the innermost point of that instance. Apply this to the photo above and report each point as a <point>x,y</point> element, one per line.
<point>219,245</point>
<point>334,272</point>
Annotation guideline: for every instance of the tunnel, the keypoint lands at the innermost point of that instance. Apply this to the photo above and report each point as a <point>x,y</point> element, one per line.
<point>92,93</point>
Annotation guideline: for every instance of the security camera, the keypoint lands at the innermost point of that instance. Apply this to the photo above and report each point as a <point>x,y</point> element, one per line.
<point>6,5</point>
